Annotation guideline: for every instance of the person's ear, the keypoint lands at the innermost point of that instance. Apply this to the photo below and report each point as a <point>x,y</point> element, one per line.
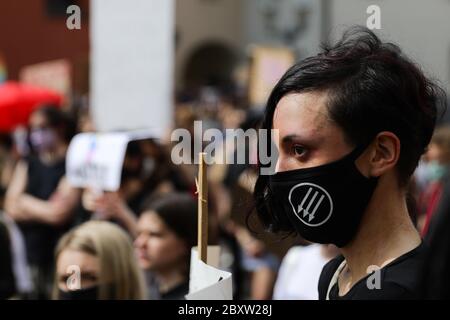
<point>385,153</point>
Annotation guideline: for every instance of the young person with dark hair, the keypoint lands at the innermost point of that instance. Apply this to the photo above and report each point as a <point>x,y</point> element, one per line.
<point>353,122</point>
<point>167,230</point>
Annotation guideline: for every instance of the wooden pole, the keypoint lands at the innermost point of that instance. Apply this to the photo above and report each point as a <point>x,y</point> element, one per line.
<point>202,188</point>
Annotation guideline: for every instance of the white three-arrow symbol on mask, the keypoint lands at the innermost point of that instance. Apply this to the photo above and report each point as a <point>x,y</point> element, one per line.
<point>306,211</point>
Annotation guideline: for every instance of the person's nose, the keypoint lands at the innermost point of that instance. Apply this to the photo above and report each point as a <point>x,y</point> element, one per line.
<point>282,164</point>
<point>139,242</point>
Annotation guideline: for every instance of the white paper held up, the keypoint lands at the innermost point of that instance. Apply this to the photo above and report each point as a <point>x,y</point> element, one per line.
<point>207,282</point>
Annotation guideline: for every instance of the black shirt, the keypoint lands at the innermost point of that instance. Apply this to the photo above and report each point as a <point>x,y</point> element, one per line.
<point>41,238</point>
<point>176,293</point>
<point>399,280</point>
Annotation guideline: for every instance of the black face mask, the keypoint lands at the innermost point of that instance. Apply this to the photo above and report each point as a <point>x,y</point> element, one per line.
<point>90,293</point>
<point>325,204</point>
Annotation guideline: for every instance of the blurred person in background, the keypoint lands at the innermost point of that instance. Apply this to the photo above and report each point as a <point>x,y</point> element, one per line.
<point>435,275</point>
<point>7,280</point>
<point>432,175</point>
<point>7,164</point>
<point>146,172</point>
<point>254,259</point>
<point>14,259</point>
<point>108,268</point>
<point>167,230</point>
<point>39,198</point>
<point>14,147</point>
<point>118,206</point>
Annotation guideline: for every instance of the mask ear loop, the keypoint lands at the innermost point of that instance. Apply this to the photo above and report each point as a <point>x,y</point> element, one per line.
<point>359,150</point>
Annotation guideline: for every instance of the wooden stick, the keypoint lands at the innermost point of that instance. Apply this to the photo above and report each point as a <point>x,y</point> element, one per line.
<point>202,188</point>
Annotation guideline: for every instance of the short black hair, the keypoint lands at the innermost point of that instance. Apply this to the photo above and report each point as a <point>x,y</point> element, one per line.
<point>372,87</point>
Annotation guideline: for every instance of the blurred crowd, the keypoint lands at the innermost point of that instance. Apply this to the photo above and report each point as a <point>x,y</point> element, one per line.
<point>136,243</point>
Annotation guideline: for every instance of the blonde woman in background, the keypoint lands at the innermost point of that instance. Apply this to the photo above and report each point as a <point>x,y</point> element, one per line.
<point>96,260</point>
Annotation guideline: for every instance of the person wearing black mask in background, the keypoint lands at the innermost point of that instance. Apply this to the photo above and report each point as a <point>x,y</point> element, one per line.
<point>146,172</point>
<point>353,122</point>
<point>39,198</point>
<point>101,254</point>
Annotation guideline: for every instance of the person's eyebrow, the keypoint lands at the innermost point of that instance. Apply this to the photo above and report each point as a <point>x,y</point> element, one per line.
<point>287,139</point>
<point>290,137</point>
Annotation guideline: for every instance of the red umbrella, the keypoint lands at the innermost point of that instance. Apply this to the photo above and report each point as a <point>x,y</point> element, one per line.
<point>18,101</point>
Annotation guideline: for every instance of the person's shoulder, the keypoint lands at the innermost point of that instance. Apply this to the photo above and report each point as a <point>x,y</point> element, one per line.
<point>388,290</point>
<point>406,271</point>
<point>327,274</point>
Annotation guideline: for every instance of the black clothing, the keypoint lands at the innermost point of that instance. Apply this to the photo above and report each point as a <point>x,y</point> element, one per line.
<point>40,239</point>
<point>399,280</point>
<point>176,293</point>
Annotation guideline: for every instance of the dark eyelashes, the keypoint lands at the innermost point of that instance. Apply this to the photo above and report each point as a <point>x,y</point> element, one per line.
<point>299,150</point>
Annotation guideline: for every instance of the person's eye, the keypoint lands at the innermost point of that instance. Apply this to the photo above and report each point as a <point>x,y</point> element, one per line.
<point>299,151</point>
<point>155,235</point>
<point>90,277</point>
<point>143,234</point>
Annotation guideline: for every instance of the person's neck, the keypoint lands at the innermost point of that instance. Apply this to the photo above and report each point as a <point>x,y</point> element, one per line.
<point>386,232</point>
<point>54,155</point>
<point>329,251</point>
<point>169,279</point>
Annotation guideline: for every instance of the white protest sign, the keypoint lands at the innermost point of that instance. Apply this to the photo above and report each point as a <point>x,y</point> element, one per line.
<point>131,64</point>
<point>207,282</point>
<point>95,159</point>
